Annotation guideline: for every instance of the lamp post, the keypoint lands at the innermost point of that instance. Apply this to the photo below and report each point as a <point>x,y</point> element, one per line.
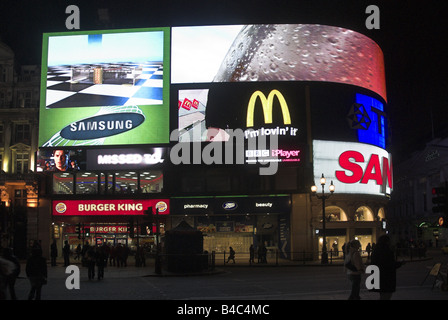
<point>324,197</point>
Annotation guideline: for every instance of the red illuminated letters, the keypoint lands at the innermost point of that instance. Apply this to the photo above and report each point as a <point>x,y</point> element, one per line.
<point>374,170</point>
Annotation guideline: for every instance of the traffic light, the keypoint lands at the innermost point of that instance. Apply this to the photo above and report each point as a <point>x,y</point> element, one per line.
<point>131,228</point>
<point>79,230</point>
<point>443,222</point>
<point>149,217</point>
<point>439,199</point>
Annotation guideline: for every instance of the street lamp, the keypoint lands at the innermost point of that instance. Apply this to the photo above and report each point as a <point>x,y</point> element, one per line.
<point>323,197</point>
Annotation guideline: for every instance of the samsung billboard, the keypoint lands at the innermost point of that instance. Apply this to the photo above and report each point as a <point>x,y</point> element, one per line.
<point>105,88</point>
<point>353,167</point>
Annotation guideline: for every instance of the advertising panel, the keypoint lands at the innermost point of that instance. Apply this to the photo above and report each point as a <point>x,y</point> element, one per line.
<point>347,113</point>
<point>276,52</point>
<point>105,88</point>
<point>109,207</point>
<point>60,160</point>
<point>353,167</point>
<point>249,115</point>
<point>130,158</point>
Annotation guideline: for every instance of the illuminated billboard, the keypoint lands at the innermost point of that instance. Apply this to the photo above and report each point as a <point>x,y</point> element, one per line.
<point>105,88</point>
<point>109,207</point>
<point>353,167</point>
<point>276,52</point>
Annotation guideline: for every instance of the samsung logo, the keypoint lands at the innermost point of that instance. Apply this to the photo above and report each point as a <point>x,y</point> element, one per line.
<point>102,126</point>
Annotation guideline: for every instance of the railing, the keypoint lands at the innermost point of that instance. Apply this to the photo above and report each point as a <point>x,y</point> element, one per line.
<point>209,261</point>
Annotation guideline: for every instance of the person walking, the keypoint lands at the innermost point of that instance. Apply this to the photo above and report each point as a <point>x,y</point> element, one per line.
<point>369,251</point>
<point>66,253</point>
<point>101,261</point>
<point>90,259</point>
<point>36,271</point>
<point>53,252</point>
<point>10,279</point>
<point>383,257</point>
<point>231,255</point>
<point>251,254</point>
<point>78,252</point>
<point>353,255</point>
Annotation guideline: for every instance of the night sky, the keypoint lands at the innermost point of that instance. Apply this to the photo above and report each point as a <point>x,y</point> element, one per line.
<point>412,36</point>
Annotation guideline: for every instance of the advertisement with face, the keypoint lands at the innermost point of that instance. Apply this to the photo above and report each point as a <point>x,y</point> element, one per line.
<point>105,88</point>
<point>60,160</point>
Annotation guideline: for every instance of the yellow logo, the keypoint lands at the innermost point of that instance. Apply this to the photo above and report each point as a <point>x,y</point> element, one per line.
<point>266,103</point>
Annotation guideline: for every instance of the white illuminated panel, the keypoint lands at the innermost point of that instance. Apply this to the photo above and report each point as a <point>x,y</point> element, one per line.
<point>353,167</point>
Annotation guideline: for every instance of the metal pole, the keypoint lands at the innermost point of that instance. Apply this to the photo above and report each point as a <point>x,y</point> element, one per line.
<point>324,242</point>
<point>158,268</point>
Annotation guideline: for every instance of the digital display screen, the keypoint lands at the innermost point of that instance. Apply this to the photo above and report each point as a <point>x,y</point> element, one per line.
<point>276,52</point>
<point>105,88</point>
<point>61,160</point>
<point>353,167</point>
<point>371,118</point>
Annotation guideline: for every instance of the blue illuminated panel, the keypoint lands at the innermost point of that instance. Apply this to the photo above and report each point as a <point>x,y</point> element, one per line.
<point>375,133</point>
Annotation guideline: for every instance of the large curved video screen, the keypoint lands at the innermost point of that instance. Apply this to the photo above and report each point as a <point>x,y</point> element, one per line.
<point>276,52</point>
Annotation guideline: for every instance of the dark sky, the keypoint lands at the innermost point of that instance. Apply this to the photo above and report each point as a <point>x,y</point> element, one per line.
<point>412,36</point>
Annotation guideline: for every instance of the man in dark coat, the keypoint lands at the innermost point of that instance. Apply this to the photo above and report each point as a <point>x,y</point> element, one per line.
<point>383,257</point>
<point>36,271</point>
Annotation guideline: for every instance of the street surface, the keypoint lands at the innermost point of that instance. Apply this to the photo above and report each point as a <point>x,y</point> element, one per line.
<point>236,282</point>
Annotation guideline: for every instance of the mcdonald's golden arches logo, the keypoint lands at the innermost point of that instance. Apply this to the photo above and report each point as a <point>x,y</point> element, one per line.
<point>267,105</point>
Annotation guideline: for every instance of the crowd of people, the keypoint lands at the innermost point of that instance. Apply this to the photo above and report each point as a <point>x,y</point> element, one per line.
<point>94,258</point>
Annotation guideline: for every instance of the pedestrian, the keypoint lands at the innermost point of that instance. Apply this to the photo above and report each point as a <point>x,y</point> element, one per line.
<point>251,254</point>
<point>66,253</point>
<point>231,255</point>
<point>78,252</point>
<point>383,257</point>
<point>368,250</point>
<point>53,252</point>
<point>36,271</point>
<point>262,254</point>
<point>112,255</point>
<point>90,260</point>
<point>119,255</point>
<point>354,275</point>
<point>101,261</point>
<point>6,269</point>
<point>10,279</point>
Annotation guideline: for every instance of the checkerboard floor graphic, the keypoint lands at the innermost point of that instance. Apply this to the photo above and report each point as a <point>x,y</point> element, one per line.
<point>121,84</point>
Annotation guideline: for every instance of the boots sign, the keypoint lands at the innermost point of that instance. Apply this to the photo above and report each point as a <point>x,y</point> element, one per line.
<point>353,167</point>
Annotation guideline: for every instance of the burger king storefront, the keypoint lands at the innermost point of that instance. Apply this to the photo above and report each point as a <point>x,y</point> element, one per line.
<point>109,221</point>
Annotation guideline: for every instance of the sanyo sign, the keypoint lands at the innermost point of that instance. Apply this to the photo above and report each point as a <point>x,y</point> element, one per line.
<point>354,167</point>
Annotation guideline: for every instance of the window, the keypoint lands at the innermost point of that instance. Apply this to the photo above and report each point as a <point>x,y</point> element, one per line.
<point>86,183</point>
<point>151,181</point>
<point>63,183</point>
<point>22,133</point>
<point>22,162</point>
<point>126,182</point>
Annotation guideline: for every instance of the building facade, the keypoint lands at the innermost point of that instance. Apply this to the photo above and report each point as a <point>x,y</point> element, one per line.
<point>128,148</point>
<point>413,212</point>
<point>19,110</point>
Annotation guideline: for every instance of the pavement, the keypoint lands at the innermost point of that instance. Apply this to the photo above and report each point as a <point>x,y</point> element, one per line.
<point>132,279</point>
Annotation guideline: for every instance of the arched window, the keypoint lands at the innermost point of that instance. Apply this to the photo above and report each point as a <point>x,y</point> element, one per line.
<point>364,213</point>
<point>381,214</point>
<point>334,213</point>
